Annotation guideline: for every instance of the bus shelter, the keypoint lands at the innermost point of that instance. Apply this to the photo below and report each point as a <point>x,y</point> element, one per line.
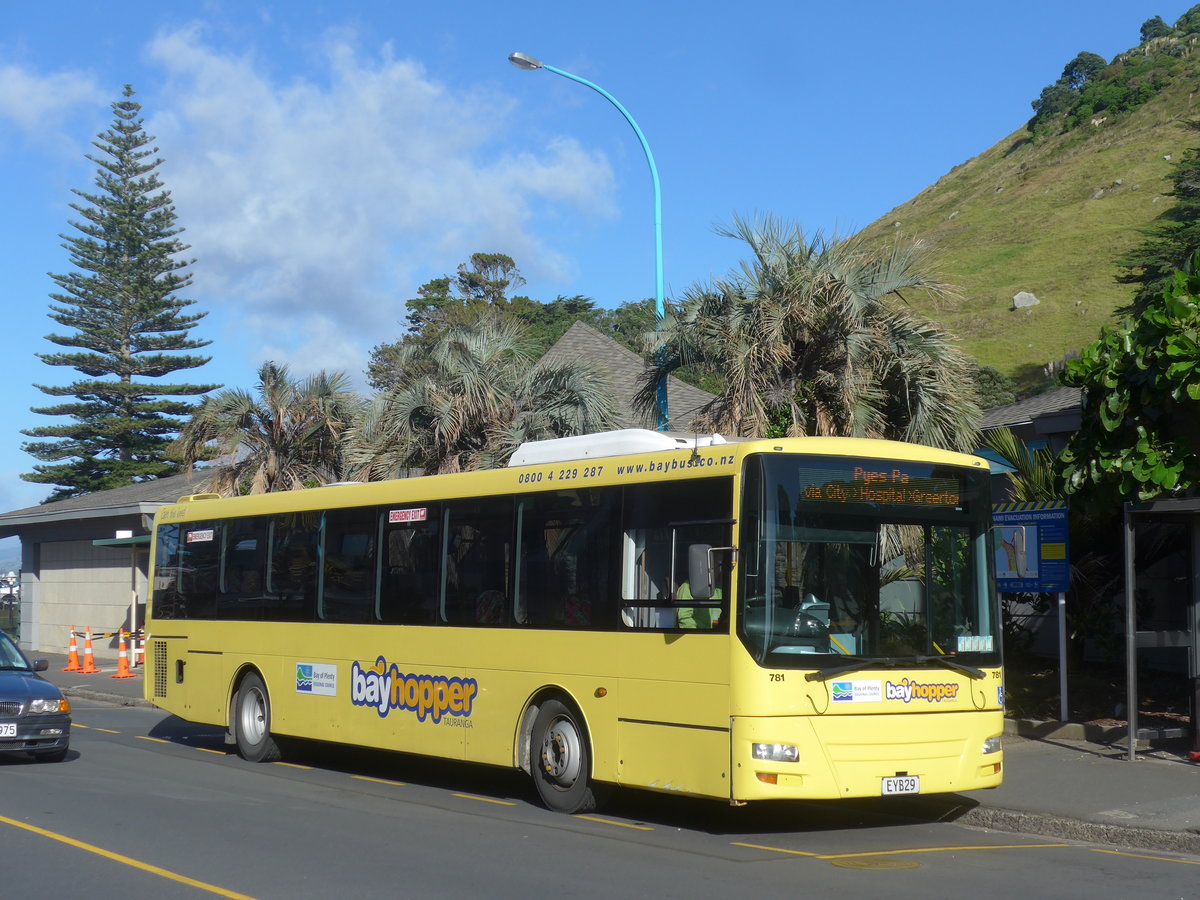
<point>1162,595</point>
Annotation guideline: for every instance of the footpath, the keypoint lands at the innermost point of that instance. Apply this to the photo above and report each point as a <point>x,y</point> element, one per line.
<point>1055,783</point>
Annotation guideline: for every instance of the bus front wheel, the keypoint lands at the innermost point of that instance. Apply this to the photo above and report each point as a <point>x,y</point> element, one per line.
<point>252,722</point>
<point>560,763</point>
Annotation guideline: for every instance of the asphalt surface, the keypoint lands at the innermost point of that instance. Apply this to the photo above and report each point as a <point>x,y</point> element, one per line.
<point>1055,784</point>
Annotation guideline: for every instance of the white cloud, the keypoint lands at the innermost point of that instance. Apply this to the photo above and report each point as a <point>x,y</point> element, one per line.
<point>317,205</point>
<point>37,104</point>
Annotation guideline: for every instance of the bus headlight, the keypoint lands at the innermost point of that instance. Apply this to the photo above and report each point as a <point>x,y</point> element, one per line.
<point>776,752</point>
<point>991,745</point>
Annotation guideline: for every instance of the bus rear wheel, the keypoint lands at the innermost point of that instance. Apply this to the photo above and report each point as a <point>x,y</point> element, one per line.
<point>252,722</point>
<point>560,760</point>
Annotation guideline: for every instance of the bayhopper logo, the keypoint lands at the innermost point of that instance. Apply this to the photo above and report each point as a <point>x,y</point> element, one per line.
<point>909,690</point>
<point>384,688</point>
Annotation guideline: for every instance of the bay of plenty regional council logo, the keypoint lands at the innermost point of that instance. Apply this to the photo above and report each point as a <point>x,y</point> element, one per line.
<point>855,691</point>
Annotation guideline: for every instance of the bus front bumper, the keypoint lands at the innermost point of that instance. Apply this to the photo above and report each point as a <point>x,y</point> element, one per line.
<point>865,755</point>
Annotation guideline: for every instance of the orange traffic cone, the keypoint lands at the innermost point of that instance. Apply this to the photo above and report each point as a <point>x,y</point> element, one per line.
<point>89,661</point>
<point>72,653</point>
<point>139,651</point>
<point>122,660</point>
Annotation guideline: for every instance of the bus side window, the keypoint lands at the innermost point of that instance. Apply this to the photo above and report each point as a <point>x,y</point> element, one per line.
<point>477,562</point>
<point>199,566</point>
<point>348,578</point>
<point>660,522</point>
<point>167,599</point>
<point>409,578</point>
<point>292,567</point>
<point>565,569</point>
<point>244,554</point>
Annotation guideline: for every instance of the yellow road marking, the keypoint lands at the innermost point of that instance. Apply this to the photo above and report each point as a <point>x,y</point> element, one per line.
<point>1186,862</point>
<point>897,852</point>
<point>142,737</point>
<point>126,860</point>
<point>939,850</point>
<point>106,730</point>
<point>291,765</point>
<point>775,849</point>
<point>619,824</point>
<point>77,725</point>
<point>378,780</point>
<point>210,750</point>
<point>486,799</point>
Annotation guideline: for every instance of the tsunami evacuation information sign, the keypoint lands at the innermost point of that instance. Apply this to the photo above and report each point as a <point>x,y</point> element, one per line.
<point>1030,547</point>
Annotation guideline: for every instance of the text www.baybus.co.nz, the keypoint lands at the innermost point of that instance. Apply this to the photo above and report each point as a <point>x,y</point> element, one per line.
<point>673,465</point>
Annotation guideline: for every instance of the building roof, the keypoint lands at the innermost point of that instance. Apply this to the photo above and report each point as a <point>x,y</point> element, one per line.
<point>144,497</point>
<point>1063,399</point>
<point>623,368</point>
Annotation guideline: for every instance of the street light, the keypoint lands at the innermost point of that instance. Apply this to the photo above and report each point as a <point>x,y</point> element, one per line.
<point>529,64</point>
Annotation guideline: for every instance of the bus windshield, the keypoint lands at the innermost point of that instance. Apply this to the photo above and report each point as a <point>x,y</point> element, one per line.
<point>848,563</point>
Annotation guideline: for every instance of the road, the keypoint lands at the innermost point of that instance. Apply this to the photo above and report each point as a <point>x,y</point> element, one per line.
<point>147,806</point>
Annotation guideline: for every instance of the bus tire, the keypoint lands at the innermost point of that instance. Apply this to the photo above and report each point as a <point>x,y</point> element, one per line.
<point>559,759</point>
<point>252,722</point>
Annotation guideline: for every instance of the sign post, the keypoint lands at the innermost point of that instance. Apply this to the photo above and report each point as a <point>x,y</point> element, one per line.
<point>1030,542</point>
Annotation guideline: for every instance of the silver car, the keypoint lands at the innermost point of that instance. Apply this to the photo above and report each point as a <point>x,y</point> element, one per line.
<point>35,717</point>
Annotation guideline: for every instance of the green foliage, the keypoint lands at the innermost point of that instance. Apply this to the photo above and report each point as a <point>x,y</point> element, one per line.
<point>1189,22</point>
<point>482,284</point>
<point>1089,86</point>
<point>288,437</point>
<point>1082,69</point>
<point>1171,241</point>
<point>993,387</point>
<point>812,337</point>
<point>1154,27</point>
<point>123,317</point>
<point>629,323</point>
<point>1140,432</point>
<point>467,399</point>
<point>1034,477</point>
<point>485,281</point>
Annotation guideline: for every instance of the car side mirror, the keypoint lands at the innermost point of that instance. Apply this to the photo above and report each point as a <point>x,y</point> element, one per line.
<point>700,573</point>
<point>41,665</point>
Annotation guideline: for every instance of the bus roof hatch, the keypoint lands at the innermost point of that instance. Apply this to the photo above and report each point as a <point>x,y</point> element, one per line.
<point>608,443</point>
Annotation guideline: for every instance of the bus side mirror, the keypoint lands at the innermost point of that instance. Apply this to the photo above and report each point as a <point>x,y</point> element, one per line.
<point>700,573</point>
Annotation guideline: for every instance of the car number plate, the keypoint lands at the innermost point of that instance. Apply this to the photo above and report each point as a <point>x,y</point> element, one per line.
<point>8,729</point>
<point>901,784</point>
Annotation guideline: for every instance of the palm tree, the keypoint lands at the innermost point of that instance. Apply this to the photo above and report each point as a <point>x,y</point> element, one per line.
<point>289,437</point>
<point>473,396</point>
<point>1034,477</point>
<point>811,337</point>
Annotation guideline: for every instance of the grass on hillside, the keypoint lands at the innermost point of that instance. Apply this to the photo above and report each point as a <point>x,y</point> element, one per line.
<point>1025,216</point>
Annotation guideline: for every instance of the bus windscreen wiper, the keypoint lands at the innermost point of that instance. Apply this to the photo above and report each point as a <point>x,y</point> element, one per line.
<point>946,662</point>
<point>854,662</point>
<point>894,662</point>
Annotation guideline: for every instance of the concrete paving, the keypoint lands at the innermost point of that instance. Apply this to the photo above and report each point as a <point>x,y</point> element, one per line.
<point>1056,783</point>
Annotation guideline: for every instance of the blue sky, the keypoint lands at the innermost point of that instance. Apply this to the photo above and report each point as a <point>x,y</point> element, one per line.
<point>327,159</point>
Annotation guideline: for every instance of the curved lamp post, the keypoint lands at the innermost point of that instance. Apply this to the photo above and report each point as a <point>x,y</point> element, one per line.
<point>524,61</point>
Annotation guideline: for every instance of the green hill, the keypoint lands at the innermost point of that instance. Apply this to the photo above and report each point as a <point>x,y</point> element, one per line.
<point>1051,214</point>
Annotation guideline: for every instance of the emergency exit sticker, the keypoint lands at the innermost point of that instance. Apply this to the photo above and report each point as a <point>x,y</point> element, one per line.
<point>407,515</point>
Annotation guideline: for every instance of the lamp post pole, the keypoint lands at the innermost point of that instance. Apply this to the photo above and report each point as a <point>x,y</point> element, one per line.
<point>523,61</point>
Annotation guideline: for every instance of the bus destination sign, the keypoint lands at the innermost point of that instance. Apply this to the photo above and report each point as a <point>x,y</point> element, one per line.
<point>879,484</point>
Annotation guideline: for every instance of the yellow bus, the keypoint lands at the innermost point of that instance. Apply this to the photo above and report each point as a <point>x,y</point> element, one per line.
<point>744,620</point>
